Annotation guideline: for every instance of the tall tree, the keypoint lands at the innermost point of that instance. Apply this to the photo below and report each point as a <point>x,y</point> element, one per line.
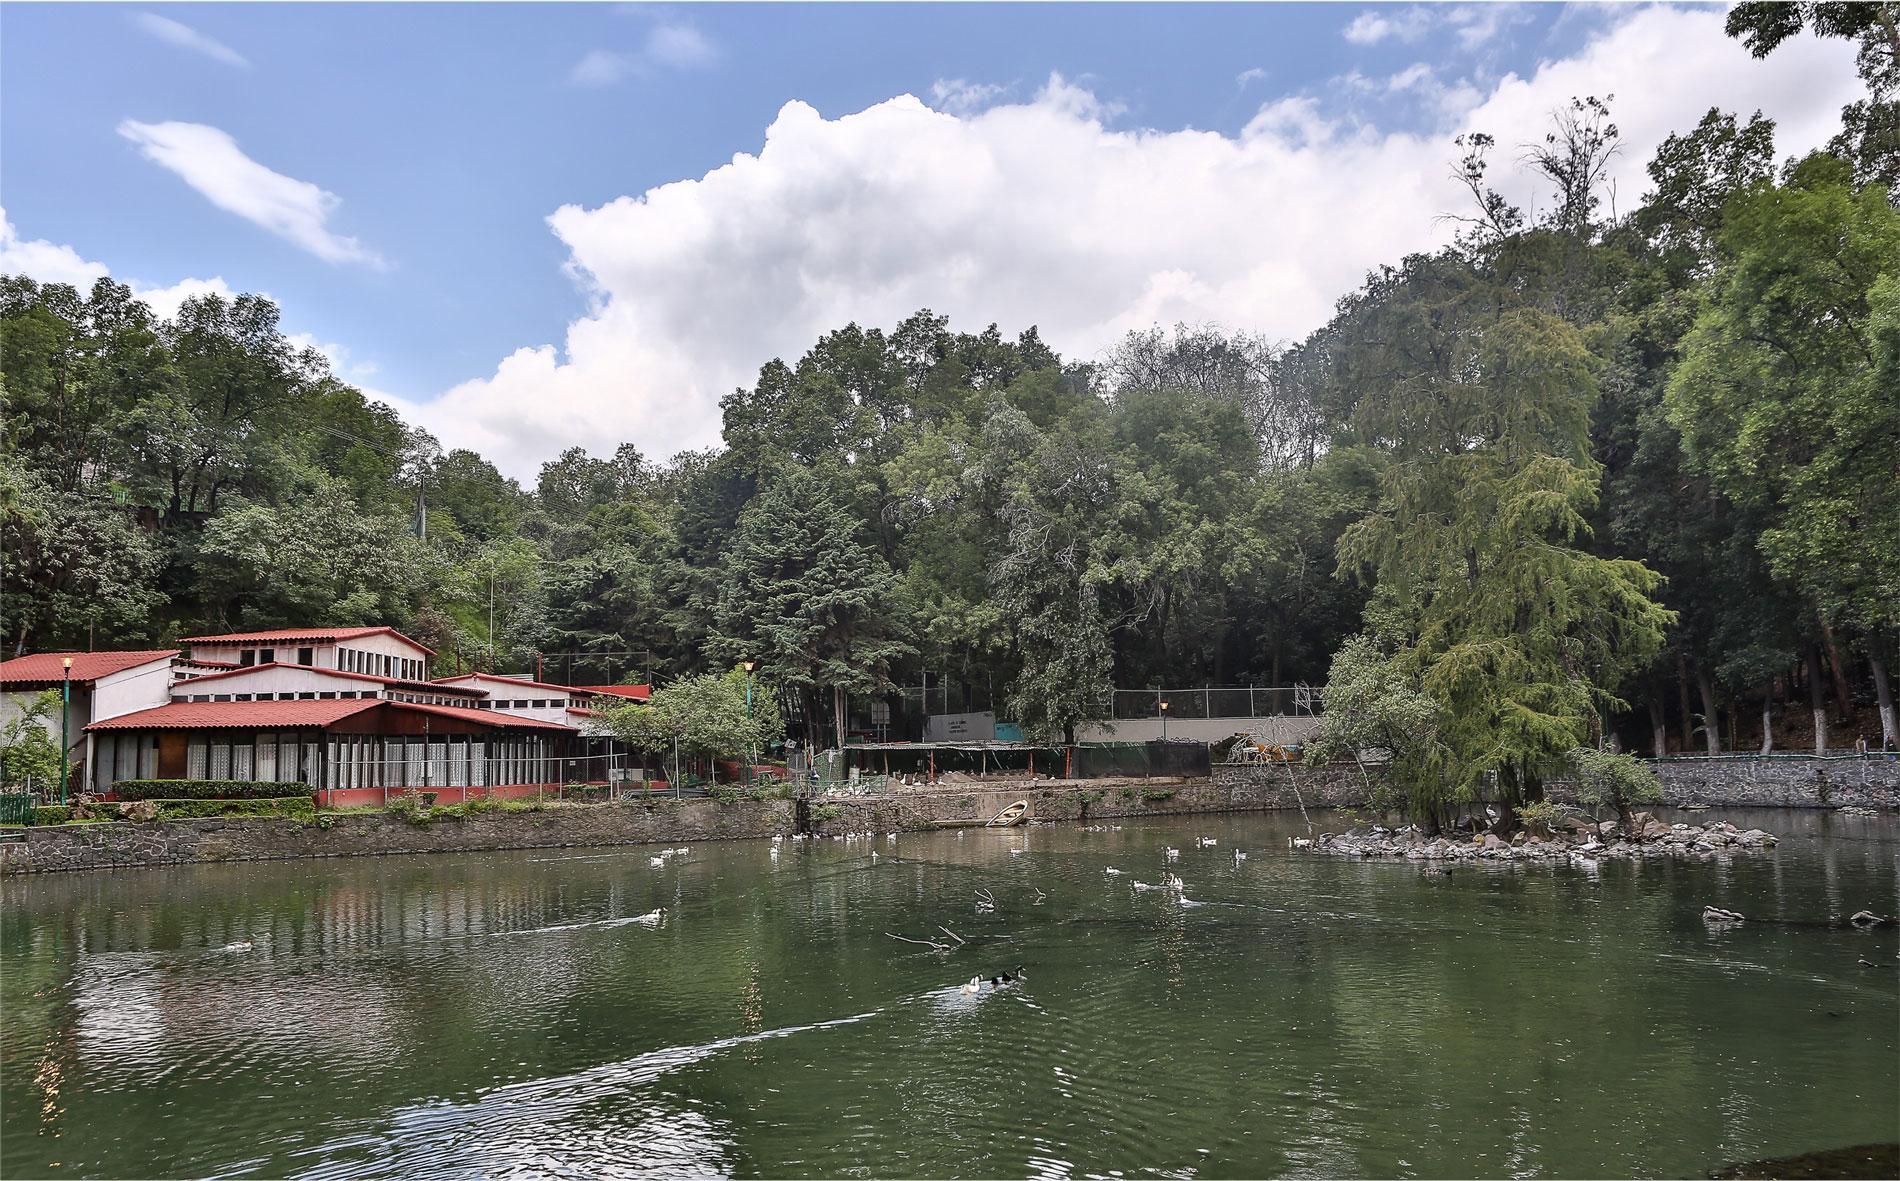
<point>801,594</point>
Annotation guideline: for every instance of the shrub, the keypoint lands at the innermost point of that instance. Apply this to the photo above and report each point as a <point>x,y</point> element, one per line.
<point>204,789</point>
<point>410,806</point>
<point>52,814</point>
<point>293,807</point>
<point>825,812</point>
<point>1540,817</point>
<point>1156,795</point>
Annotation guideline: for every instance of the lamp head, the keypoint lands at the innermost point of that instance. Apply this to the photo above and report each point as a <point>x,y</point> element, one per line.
<point>66,662</point>
<point>748,665</point>
<point>1164,707</point>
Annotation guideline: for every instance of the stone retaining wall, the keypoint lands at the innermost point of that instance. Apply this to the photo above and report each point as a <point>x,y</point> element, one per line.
<point>1784,781</point>
<point>118,844</point>
<point>1789,782</point>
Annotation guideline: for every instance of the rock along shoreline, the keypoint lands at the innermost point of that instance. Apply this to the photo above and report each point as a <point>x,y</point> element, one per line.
<point>1583,841</point>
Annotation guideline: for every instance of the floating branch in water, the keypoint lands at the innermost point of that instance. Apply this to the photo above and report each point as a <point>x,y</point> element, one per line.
<point>932,944</point>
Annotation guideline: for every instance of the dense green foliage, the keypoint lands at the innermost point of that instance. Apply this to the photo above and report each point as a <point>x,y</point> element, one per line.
<point>29,744</point>
<point>201,789</point>
<point>1579,477</point>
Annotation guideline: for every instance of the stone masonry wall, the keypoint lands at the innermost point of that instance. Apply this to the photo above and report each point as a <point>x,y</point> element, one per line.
<point>1784,781</point>
<point>171,842</point>
<point>1787,782</point>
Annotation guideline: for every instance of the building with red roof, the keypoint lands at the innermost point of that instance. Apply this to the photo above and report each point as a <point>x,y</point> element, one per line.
<point>98,685</point>
<point>347,710</point>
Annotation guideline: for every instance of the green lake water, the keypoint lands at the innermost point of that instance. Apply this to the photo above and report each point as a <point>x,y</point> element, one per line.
<point>498,1014</point>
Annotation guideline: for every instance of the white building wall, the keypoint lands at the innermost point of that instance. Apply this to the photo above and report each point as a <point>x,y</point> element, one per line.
<point>132,689</point>
<point>274,679</point>
<point>550,702</point>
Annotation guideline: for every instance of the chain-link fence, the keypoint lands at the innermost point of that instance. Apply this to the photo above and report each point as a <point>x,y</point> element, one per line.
<point>1245,701</point>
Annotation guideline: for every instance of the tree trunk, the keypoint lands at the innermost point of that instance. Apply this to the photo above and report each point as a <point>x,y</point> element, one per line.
<point>1883,692</point>
<point>837,708</point>
<point>1843,700</point>
<point>1768,716</point>
<point>1659,727</point>
<point>1711,725</point>
<point>1817,697</point>
<point>1682,693</point>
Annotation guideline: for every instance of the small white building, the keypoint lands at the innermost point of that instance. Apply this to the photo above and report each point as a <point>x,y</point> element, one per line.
<point>104,685</point>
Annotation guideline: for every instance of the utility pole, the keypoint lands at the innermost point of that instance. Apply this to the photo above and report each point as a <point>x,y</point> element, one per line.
<point>65,711</point>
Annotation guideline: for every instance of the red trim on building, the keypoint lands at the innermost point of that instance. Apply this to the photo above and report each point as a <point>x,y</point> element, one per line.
<point>630,692</point>
<point>292,715</point>
<point>420,686</point>
<point>294,635</point>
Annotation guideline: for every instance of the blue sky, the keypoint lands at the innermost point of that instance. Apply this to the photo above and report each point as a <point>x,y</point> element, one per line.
<point>447,135</point>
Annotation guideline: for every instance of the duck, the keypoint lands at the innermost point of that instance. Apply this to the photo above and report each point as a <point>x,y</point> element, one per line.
<point>1003,978</point>
<point>657,862</point>
<point>1208,842</point>
<point>975,985</point>
<point>246,945</point>
<point>1239,857</point>
<point>1111,871</point>
<point>1171,854</point>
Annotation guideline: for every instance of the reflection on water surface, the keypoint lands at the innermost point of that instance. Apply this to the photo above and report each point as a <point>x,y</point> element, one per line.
<point>527,1013</point>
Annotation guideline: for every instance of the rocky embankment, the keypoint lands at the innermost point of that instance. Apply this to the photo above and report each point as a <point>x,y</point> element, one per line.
<point>1582,840</point>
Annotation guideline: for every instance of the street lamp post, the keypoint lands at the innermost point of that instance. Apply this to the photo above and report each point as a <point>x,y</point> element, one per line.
<point>1164,721</point>
<point>751,756</point>
<point>65,711</point>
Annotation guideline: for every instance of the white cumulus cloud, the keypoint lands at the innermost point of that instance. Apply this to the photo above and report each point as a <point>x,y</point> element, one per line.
<point>1040,212</point>
<point>185,37</point>
<point>210,161</point>
<point>55,262</point>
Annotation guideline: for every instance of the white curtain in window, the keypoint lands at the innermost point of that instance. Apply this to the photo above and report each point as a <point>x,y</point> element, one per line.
<point>264,765</point>
<point>195,759</point>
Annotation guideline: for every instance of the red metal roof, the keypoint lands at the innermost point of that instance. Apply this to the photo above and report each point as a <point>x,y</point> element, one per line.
<point>280,715</point>
<point>630,692</point>
<point>512,681</point>
<point>318,635</point>
<point>238,715</point>
<point>331,672</point>
<point>43,668</point>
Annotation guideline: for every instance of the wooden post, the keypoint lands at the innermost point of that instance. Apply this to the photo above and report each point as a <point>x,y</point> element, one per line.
<point>933,764</point>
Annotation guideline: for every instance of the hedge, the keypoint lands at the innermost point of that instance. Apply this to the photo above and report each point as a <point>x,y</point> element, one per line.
<point>52,814</point>
<point>203,789</point>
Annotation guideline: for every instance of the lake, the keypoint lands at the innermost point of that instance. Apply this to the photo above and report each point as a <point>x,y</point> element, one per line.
<point>510,1013</point>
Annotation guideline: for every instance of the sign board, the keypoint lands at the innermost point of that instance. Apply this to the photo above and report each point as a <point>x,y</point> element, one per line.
<point>977,727</point>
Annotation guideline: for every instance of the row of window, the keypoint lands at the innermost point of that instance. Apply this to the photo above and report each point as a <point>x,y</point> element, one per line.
<point>365,694</point>
<point>370,694</point>
<point>377,664</point>
<point>343,761</point>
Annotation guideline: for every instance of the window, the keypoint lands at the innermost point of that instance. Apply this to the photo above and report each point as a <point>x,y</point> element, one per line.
<point>266,758</point>
<point>247,658</point>
<point>220,697</point>
<point>306,697</point>
<point>306,656</point>
<point>195,758</point>
<point>240,697</point>
<point>326,697</point>
<point>266,655</point>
